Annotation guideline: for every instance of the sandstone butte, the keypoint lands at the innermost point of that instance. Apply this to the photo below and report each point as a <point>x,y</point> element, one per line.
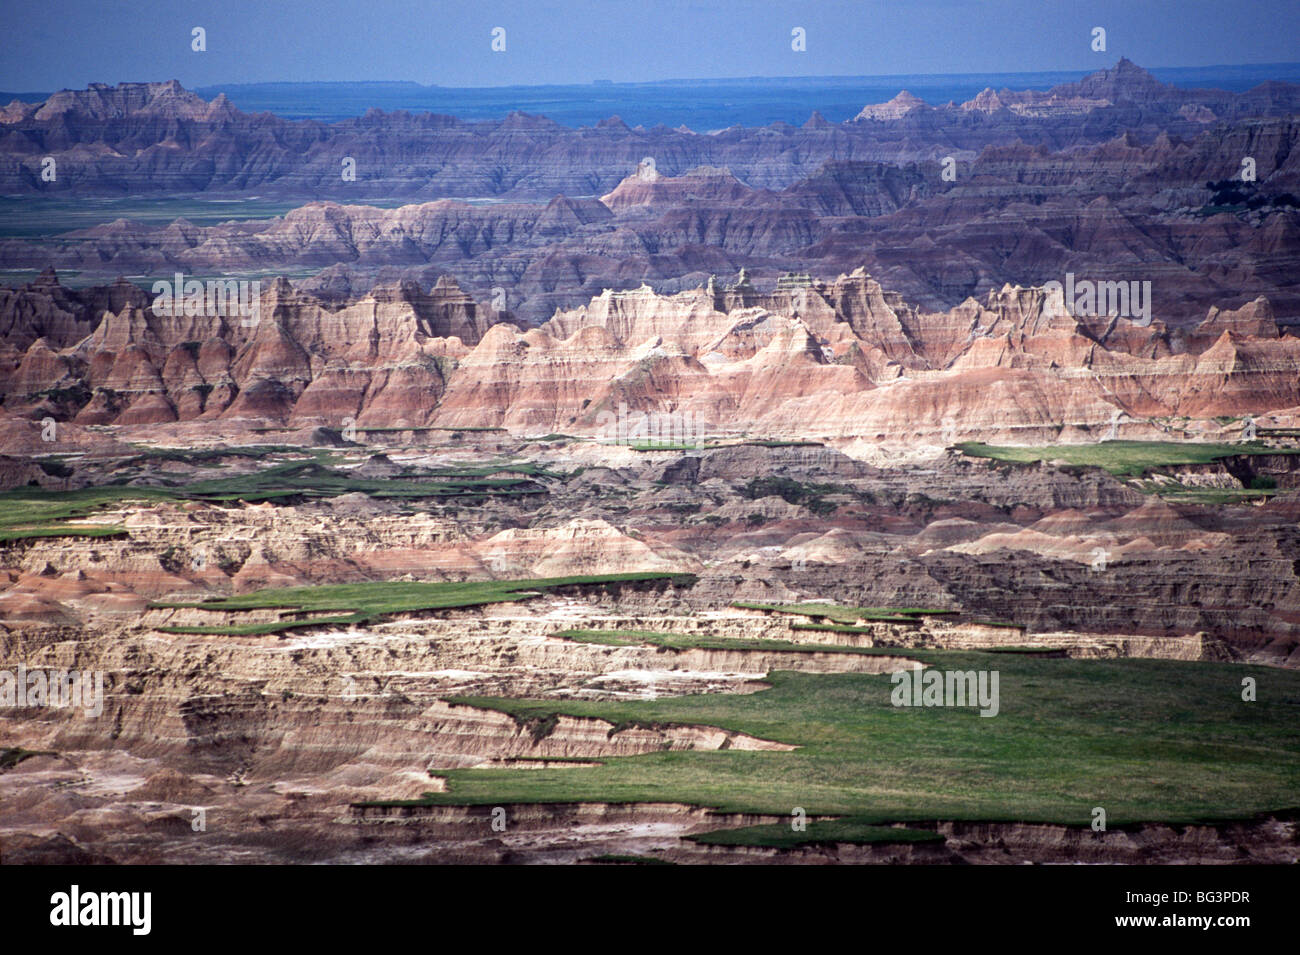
<point>838,359</point>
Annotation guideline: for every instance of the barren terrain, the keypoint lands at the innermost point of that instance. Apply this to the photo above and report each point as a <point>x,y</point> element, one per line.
<point>599,518</point>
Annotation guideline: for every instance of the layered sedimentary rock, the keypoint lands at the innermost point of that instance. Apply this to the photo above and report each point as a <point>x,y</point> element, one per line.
<point>153,137</point>
<point>276,738</point>
<point>639,394</point>
<point>294,361</point>
<point>1170,210</point>
<point>841,359</point>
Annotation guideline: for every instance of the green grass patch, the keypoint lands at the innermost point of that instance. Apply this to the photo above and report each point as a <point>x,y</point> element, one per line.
<point>265,629</point>
<point>209,456</point>
<point>499,467</point>
<point>1150,740</point>
<point>28,512</point>
<point>775,443</point>
<point>308,480</point>
<point>12,756</point>
<point>664,446</point>
<point>62,530</point>
<point>1126,459</point>
<point>692,641</point>
<point>810,496</point>
<point>1215,496</point>
<point>846,615</point>
<point>363,603</point>
<point>714,444</point>
<point>853,628</point>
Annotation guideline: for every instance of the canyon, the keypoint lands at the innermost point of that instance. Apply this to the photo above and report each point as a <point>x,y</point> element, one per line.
<point>160,137</point>
<point>570,495</point>
<point>1110,178</point>
<point>293,746</point>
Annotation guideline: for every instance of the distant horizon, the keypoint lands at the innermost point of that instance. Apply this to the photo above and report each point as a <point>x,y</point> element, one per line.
<point>513,43</point>
<point>702,105</point>
<point>1293,65</point>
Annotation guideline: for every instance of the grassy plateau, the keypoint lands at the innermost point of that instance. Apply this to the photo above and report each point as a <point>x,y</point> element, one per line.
<point>697,641</point>
<point>1147,740</point>
<point>1122,458</point>
<point>28,512</point>
<point>369,601</point>
<point>844,617</point>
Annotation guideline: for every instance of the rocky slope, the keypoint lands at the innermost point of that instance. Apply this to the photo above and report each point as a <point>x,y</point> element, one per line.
<point>1172,211</point>
<point>158,137</point>
<point>560,385</point>
<point>267,742</point>
<point>845,359</point>
<point>1009,543</point>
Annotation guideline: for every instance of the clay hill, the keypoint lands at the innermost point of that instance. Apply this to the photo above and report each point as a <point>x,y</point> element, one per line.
<point>846,358</point>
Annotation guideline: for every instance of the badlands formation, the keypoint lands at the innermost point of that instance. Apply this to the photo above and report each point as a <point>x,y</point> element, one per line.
<point>299,736</point>
<point>137,138</point>
<point>593,524</point>
<point>300,744</point>
<point>844,360</point>
<point>1118,177</point>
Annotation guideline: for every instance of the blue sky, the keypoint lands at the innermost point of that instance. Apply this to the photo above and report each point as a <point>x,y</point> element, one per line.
<point>68,43</point>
